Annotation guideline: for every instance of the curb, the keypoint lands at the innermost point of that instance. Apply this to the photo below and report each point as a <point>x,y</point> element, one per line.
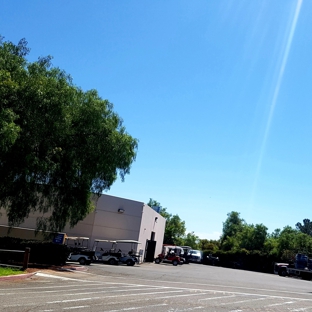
<point>16,277</point>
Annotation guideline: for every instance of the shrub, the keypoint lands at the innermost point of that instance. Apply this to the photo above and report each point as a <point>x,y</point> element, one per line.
<point>41,252</point>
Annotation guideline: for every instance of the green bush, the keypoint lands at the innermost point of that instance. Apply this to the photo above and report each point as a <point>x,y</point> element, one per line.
<point>254,260</point>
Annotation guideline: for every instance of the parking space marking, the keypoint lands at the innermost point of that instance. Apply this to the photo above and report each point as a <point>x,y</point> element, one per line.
<point>3,290</point>
<point>211,285</point>
<point>78,307</point>
<point>140,294</point>
<point>222,297</point>
<point>135,308</point>
<point>59,277</point>
<point>81,289</point>
<point>187,309</point>
<point>98,292</point>
<point>111,290</point>
<point>279,304</point>
<point>243,301</point>
<point>184,295</point>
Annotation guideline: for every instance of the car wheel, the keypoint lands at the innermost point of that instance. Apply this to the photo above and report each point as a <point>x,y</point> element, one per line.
<point>157,260</point>
<point>82,261</point>
<point>112,261</point>
<point>175,262</point>
<point>129,262</point>
<point>282,272</point>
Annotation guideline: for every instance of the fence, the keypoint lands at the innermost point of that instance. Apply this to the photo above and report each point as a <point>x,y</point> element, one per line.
<point>10,259</point>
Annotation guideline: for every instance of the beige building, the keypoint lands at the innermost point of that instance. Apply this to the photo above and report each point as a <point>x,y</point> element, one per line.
<point>114,218</point>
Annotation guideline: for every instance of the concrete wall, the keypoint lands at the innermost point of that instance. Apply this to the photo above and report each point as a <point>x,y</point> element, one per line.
<point>152,222</point>
<point>114,218</point>
<point>19,232</point>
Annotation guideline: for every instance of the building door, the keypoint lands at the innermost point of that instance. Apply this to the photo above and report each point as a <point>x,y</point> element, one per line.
<point>150,250</point>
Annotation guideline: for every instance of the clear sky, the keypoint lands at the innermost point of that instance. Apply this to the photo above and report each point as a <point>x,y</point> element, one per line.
<point>218,93</point>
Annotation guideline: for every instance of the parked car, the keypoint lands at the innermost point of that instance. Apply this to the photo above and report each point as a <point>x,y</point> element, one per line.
<point>211,260</point>
<point>195,256</point>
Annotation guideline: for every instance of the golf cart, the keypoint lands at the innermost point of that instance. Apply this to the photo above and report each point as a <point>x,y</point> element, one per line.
<point>171,254</point>
<point>112,255</point>
<point>78,252</point>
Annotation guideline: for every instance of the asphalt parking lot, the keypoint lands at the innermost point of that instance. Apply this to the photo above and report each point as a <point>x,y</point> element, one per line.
<point>151,287</point>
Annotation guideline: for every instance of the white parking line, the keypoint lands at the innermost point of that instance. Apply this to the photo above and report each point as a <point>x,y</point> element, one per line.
<point>60,277</point>
<point>136,308</point>
<point>243,301</point>
<point>186,309</point>
<point>92,298</point>
<point>279,304</point>
<point>92,292</point>
<point>212,285</point>
<point>2,290</point>
<point>222,297</point>
<point>77,307</point>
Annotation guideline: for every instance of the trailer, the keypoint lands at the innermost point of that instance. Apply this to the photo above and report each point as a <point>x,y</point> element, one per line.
<point>301,268</point>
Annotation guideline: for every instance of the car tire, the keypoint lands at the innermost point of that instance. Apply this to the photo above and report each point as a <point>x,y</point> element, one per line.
<point>130,262</point>
<point>112,261</point>
<point>175,262</point>
<point>157,260</point>
<point>82,261</point>
<point>282,272</point>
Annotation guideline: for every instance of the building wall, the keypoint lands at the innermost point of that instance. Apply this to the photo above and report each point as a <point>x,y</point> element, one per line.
<point>20,233</point>
<point>114,218</point>
<point>150,224</point>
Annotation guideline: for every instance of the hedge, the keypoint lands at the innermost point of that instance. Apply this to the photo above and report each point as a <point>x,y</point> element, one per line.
<point>247,260</point>
<point>41,252</point>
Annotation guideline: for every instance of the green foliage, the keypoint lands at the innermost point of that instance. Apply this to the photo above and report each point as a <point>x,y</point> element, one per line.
<point>253,240</point>
<point>246,246</point>
<point>175,227</point>
<point>232,226</point>
<point>9,271</point>
<point>253,237</point>
<point>58,144</point>
<point>210,245</point>
<point>306,227</point>
<point>191,240</point>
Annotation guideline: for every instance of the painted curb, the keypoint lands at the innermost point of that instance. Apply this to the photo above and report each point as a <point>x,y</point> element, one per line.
<point>16,277</point>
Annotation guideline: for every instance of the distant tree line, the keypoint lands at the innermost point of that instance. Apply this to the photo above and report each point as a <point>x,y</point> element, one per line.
<point>242,242</point>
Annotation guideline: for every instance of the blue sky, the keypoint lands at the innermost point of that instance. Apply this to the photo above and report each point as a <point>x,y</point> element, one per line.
<point>217,93</point>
